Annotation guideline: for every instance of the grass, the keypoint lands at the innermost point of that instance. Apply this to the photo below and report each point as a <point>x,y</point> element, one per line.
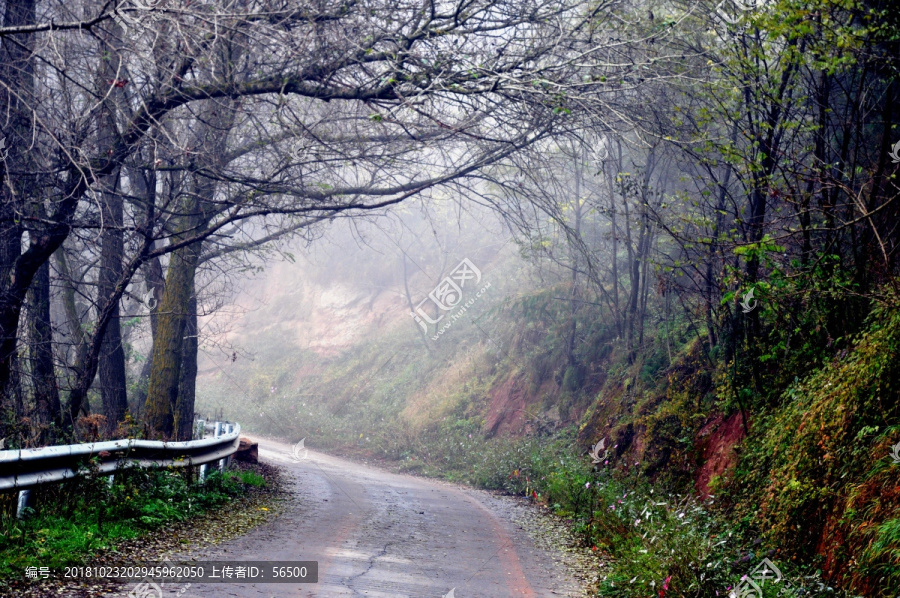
<point>649,542</point>
<point>816,461</point>
<point>75,520</point>
<point>247,477</point>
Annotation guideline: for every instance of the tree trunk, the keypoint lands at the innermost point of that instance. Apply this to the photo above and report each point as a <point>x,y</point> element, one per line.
<point>168,344</point>
<point>47,409</point>
<point>574,254</point>
<point>113,383</point>
<point>615,248</point>
<point>16,84</point>
<point>156,283</point>
<point>187,386</point>
<point>111,366</point>
<point>645,283</point>
<point>73,318</point>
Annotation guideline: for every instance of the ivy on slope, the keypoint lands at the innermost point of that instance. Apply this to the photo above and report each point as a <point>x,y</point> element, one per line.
<point>817,474</point>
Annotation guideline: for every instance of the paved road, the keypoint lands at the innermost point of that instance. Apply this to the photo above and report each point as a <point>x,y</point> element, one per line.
<point>382,535</point>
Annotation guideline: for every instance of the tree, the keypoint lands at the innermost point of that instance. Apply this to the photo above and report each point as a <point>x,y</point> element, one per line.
<point>334,104</point>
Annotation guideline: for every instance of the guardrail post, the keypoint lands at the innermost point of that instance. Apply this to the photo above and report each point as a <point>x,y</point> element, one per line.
<point>201,433</point>
<point>220,427</point>
<point>230,428</point>
<point>24,497</point>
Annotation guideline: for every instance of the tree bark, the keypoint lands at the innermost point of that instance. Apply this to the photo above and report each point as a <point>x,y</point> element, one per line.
<point>113,383</point>
<point>47,409</point>
<point>196,210</point>
<point>615,242</point>
<point>579,159</point>
<point>16,86</point>
<point>73,318</point>
<point>111,366</point>
<point>187,387</point>
<point>168,343</point>
<point>156,283</point>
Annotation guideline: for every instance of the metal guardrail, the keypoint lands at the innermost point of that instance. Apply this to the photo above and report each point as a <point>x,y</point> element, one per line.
<point>25,469</point>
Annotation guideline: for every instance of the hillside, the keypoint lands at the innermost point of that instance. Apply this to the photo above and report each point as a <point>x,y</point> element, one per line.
<point>344,366</point>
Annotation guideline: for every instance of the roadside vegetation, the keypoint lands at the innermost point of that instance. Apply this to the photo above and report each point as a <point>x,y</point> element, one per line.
<point>520,228</point>
<point>74,521</point>
<point>817,462</point>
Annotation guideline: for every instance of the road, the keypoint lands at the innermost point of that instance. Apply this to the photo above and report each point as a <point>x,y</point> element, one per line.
<point>382,535</point>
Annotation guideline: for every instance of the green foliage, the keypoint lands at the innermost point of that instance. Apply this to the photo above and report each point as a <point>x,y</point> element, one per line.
<point>389,398</point>
<point>881,559</point>
<point>247,477</point>
<point>817,466</point>
<point>573,379</point>
<point>644,535</point>
<point>78,518</point>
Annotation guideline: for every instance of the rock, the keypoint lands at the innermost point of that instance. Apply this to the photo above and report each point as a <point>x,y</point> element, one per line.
<point>247,451</point>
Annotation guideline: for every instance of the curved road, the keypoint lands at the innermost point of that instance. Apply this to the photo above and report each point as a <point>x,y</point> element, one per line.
<point>382,535</point>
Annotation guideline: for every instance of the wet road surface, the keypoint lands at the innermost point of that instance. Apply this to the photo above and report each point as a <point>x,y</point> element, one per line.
<point>377,534</point>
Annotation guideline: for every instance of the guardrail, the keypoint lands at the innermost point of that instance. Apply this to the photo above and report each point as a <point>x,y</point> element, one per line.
<point>25,469</point>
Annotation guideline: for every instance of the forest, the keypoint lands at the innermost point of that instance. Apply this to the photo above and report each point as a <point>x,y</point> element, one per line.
<point>685,210</point>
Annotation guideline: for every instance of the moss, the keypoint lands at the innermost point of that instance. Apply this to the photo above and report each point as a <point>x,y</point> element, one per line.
<point>819,470</point>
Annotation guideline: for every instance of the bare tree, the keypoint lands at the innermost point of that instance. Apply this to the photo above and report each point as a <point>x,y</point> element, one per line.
<point>336,110</point>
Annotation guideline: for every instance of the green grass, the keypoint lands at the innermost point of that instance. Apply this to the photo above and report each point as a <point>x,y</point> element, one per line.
<point>248,478</point>
<point>75,520</point>
<point>648,539</point>
<point>816,459</point>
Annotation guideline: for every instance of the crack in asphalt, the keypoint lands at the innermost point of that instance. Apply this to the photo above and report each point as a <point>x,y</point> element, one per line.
<point>406,537</point>
<point>372,560</point>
